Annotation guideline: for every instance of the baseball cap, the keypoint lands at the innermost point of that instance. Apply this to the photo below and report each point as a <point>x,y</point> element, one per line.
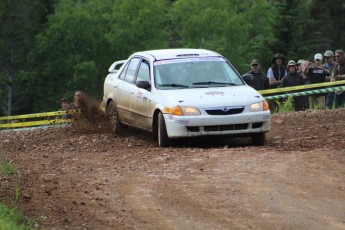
<point>255,61</point>
<point>278,55</point>
<point>328,53</point>
<point>63,99</point>
<point>291,62</point>
<point>300,61</point>
<point>318,56</point>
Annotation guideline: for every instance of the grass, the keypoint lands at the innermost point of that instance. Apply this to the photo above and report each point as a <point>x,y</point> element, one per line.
<point>10,217</point>
<point>285,105</point>
<point>7,169</point>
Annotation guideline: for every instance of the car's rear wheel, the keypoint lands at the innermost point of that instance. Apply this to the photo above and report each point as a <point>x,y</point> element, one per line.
<point>114,118</point>
<point>259,139</point>
<point>163,139</point>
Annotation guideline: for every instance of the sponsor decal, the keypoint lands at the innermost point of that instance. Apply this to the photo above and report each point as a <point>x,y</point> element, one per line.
<point>163,62</point>
<point>182,122</point>
<point>145,100</point>
<point>140,95</point>
<point>212,93</point>
<point>318,71</point>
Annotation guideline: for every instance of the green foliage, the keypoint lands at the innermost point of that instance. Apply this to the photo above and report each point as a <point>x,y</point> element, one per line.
<point>215,25</point>
<point>71,51</point>
<point>10,218</point>
<point>284,106</point>
<point>20,23</point>
<point>50,48</point>
<point>137,25</point>
<point>7,168</point>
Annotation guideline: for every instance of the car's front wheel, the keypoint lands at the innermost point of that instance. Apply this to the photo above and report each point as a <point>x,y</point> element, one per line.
<point>114,118</point>
<point>163,139</point>
<point>259,139</point>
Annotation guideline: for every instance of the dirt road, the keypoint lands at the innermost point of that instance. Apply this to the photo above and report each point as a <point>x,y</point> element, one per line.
<point>86,178</point>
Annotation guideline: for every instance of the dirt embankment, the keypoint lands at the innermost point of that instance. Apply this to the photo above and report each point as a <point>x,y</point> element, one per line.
<point>83,177</point>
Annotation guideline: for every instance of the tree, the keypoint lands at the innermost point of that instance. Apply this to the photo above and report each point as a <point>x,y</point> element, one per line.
<point>137,25</point>
<point>232,28</point>
<point>21,21</point>
<point>69,53</point>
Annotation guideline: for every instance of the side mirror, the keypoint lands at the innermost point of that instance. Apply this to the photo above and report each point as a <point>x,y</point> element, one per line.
<point>143,85</point>
<point>247,77</point>
<point>115,67</point>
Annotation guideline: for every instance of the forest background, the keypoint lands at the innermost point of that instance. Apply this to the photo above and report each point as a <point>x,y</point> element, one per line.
<point>50,48</point>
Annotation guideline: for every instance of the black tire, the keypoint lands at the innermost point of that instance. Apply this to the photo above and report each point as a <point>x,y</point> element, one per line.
<point>113,115</point>
<point>162,135</point>
<point>259,139</point>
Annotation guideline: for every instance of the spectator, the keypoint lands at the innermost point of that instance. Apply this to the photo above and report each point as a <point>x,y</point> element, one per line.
<point>275,74</point>
<point>76,101</point>
<point>260,81</point>
<point>316,73</point>
<point>329,64</point>
<point>293,78</point>
<point>301,66</point>
<point>63,104</point>
<point>277,71</point>
<point>339,74</point>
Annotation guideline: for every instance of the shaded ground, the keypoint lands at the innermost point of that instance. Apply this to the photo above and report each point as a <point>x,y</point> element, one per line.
<point>83,177</point>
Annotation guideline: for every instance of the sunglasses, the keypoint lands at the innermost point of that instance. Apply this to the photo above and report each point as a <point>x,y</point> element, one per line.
<point>291,66</point>
<point>255,65</point>
<point>337,55</point>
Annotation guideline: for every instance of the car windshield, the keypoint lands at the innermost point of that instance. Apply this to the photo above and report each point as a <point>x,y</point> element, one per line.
<point>195,73</point>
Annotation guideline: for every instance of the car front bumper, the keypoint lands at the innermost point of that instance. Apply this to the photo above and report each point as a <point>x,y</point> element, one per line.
<point>206,125</point>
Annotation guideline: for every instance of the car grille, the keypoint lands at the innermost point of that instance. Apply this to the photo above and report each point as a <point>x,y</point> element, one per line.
<point>224,111</point>
<point>257,125</point>
<point>215,128</point>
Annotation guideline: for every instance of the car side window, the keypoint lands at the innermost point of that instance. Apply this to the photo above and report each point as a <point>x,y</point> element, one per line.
<point>128,72</point>
<point>124,71</point>
<point>132,68</point>
<point>144,71</point>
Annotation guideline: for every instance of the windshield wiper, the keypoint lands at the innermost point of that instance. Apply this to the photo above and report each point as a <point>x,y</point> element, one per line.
<point>174,85</point>
<point>213,83</point>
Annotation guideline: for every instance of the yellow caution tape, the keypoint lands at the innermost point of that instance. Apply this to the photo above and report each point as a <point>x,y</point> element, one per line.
<point>11,121</point>
<point>34,123</point>
<point>35,115</point>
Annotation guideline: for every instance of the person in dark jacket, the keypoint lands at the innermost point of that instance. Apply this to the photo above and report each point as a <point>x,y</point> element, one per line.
<point>317,73</point>
<point>75,105</point>
<point>329,64</point>
<point>260,81</point>
<point>277,71</point>
<point>293,78</point>
<point>339,75</point>
<point>274,75</point>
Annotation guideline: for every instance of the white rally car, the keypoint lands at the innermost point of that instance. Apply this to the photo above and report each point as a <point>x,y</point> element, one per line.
<point>179,93</point>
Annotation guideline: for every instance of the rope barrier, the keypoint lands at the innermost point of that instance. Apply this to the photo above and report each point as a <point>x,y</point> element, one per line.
<point>46,118</point>
<point>301,87</point>
<point>304,93</point>
<point>49,118</point>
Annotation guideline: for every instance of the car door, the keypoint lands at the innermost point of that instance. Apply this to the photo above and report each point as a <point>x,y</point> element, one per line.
<point>125,88</point>
<point>140,99</point>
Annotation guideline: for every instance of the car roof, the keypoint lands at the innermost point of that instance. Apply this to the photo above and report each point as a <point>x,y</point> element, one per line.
<point>178,53</point>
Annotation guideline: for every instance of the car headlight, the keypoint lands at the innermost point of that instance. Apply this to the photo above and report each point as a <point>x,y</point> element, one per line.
<point>259,106</point>
<point>184,111</point>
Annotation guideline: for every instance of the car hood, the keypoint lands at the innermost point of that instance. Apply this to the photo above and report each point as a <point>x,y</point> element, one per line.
<point>210,97</point>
